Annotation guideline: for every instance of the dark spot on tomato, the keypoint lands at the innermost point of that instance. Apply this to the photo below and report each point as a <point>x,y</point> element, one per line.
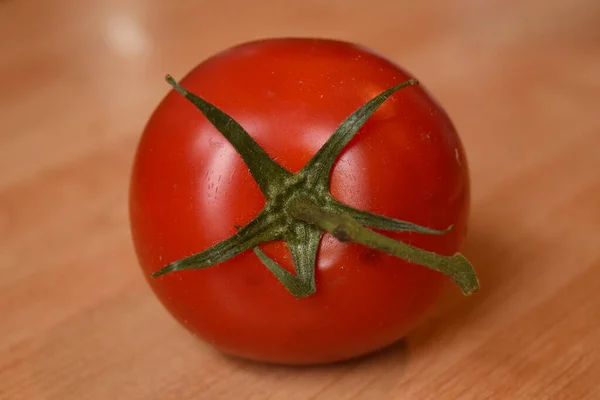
<point>369,256</point>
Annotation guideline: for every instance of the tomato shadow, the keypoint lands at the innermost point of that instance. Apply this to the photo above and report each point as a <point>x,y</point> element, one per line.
<point>392,355</point>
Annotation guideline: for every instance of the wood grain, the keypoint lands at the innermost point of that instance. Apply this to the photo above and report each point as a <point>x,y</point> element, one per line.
<point>521,81</point>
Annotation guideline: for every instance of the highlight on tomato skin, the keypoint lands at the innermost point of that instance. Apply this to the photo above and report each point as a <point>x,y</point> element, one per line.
<point>300,201</point>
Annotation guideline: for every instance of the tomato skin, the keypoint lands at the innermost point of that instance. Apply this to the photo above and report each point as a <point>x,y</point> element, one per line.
<point>189,190</point>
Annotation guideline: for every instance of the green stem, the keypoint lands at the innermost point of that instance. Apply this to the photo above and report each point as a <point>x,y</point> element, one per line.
<point>346,229</point>
<point>265,171</point>
<point>299,207</point>
<point>319,166</point>
<point>381,222</point>
<point>259,230</point>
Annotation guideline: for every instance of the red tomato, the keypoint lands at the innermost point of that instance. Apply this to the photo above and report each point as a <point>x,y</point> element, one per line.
<point>190,189</point>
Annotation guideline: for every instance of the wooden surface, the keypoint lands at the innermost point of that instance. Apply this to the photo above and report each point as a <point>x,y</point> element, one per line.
<point>78,79</point>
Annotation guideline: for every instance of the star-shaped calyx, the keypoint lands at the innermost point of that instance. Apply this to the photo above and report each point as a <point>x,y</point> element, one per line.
<point>299,209</point>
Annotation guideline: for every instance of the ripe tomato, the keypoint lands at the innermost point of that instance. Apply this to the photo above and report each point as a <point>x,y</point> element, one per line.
<point>190,189</point>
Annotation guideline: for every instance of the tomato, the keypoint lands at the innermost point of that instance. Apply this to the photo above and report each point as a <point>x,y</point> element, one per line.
<point>191,189</point>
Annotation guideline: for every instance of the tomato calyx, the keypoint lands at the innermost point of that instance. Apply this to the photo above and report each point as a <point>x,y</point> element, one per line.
<point>299,209</point>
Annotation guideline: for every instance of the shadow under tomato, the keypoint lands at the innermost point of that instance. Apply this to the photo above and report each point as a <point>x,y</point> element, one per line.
<point>321,381</point>
<point>395,350</point>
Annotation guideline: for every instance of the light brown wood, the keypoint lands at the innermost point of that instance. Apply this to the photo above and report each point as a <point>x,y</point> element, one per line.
<point>521,80</point>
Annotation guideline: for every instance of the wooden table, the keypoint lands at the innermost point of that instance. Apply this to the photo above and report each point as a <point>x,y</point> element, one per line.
<point>521,81</point>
